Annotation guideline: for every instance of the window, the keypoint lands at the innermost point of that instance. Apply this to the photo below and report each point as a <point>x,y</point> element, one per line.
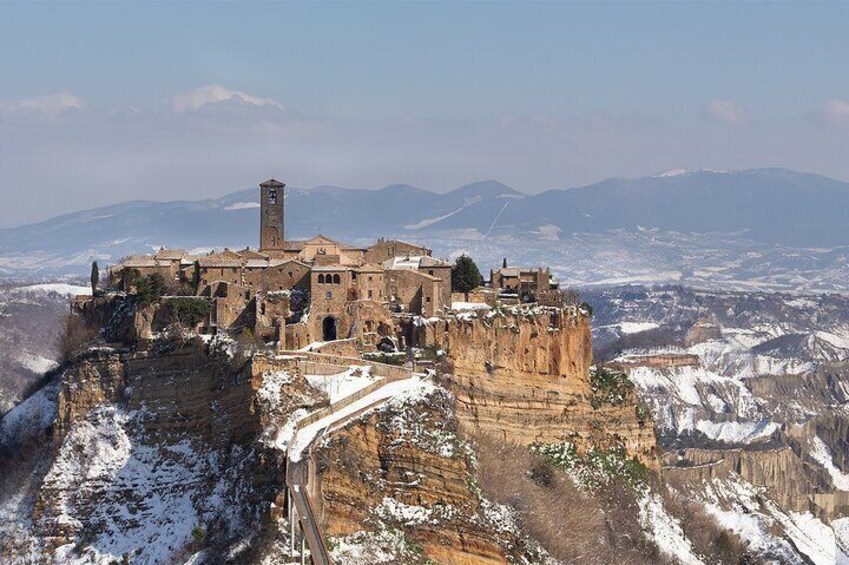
<point>427,299</point>
<point>430,272</point>
<point>272,196</point>
<point>369,278</point>
<point>336,279</point>
<point>329,295</point>
<point>290,273</point>
<point>369,293</point>
<point>320,279</point>
<point>353,275</point>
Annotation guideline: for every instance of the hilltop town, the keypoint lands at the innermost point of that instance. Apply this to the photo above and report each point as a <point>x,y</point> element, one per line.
<point>295,293</point>
<point>313,401</point>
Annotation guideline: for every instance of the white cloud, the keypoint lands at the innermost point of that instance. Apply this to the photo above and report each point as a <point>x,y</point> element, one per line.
<point>51,105</point>
<point>834,113</point>
<point>213,94</point>
<point>727,112</point>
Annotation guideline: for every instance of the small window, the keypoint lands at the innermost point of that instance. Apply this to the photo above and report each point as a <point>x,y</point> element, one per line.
<point>430,272</point>
<point>290,273</point>
<point>369,278</point>
<point>320,279</point>
<point>369,293</point>
<point>336,279</point>
<point>329,295</point>
<point>427,299</point>
<point>353,275</point>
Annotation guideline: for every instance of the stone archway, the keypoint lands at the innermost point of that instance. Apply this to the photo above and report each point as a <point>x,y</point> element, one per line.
<point>328,329</point>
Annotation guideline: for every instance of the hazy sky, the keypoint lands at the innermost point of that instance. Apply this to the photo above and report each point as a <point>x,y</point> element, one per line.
<point>101,103</point>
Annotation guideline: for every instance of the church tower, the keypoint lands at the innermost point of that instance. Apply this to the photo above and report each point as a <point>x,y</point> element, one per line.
<point>271,235</point>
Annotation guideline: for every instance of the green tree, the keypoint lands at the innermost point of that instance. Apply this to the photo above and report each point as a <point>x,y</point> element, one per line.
<point>196,277</point>
<point>150,289</point>
<point>465,275</point>
<point>95,277</point>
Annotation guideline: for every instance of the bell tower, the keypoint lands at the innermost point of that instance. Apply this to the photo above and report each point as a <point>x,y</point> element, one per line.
<point>271,234</point>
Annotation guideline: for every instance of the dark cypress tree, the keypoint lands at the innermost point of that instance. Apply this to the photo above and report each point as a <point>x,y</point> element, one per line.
<point>465,275</point>
<point>95,277</point>
<point>196,277</point>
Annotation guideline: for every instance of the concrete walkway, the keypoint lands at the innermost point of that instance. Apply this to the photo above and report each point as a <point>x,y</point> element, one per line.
<point>305,437</point>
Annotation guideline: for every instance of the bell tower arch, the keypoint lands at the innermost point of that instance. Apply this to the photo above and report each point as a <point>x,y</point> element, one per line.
<point>271,209</point>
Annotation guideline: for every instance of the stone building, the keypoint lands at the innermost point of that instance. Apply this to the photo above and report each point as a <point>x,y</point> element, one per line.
<point>320,289</point>
<point>523,284</point>
<point>385,249</point>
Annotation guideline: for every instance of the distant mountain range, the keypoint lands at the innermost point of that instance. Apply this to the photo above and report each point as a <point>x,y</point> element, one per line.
<point>768,209</point>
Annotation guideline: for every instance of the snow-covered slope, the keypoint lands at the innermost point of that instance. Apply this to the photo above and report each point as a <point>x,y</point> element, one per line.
<point>749,393</point>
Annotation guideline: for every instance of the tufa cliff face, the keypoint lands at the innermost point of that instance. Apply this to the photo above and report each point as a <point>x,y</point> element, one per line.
<point>152,459</point>
<point>400,473</point>
<point>525,377</point>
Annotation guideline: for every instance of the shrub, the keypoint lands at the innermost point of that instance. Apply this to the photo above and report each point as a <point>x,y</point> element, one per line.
<point>150,288</point>
<point>572,525</point>
<point>188,312</point>
<point>708,537</point>
<point>609,387</point>
<point>76,334</point>
<point>596,467</point>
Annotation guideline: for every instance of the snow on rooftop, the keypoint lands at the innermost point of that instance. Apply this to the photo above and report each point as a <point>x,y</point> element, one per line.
<point>460,306</point>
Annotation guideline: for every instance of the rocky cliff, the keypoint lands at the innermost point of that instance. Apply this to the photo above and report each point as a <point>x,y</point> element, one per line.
<point>149,458</point>
<point>401,473</point>
<point>524,375</point>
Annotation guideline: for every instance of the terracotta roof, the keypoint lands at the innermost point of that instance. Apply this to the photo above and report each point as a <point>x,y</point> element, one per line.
<point>139,261</point>
<point>170,254</point>
<point>369,268</point>
<point>272,183</point>
<point>281,262</point>
<point>220,260</point>
<point>249,253</point>
<point>294,245</point>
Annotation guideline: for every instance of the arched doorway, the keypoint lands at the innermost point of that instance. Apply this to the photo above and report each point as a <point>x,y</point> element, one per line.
<point>328,329</point>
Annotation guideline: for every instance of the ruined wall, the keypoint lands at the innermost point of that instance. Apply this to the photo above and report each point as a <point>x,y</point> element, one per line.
<point>524,377</point>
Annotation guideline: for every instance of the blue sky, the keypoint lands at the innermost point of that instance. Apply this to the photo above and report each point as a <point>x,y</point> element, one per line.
<point>195,99</point>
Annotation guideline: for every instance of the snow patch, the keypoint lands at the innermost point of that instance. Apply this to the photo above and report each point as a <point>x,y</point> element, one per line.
<point>823,455</point>
<point>666,531</point>
<point>242,206</point>
<point>341,385</point>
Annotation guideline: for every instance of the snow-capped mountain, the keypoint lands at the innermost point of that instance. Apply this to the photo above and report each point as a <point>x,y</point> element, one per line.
<point>770,228</point>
